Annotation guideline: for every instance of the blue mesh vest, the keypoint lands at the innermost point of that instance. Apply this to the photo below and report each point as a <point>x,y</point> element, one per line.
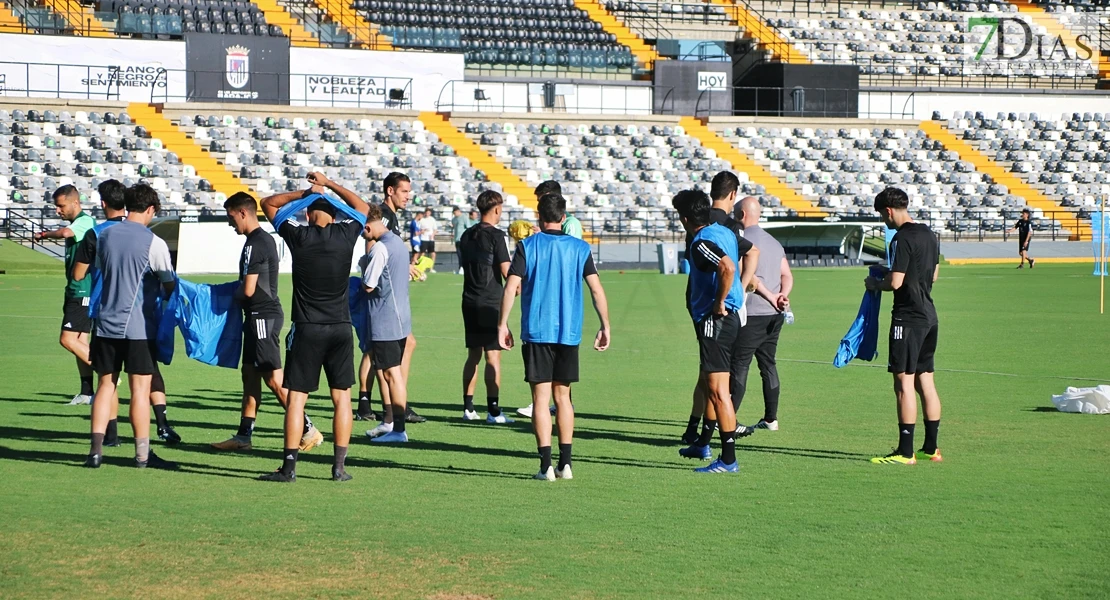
<point>703,286</point>
<point>95,275</point>
<point>551,294</point>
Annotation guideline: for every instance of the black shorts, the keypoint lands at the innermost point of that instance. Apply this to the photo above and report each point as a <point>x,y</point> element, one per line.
<point>544,363</point>
<point>75,315</point>
<point>480,324</point>
<point>717,341</point>
<point>262,342</point>
<point>388,354</point>
<point>112,356</point>
<point>1023,244</point>
<point>912,348</point>
<point>310,347</point>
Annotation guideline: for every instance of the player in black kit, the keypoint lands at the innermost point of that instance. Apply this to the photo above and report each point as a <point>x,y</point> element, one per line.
<point>1024,227</point>
<point>913,326</point>
<point>262,322</point>
<point>485,260</point>
<point>321,336</point>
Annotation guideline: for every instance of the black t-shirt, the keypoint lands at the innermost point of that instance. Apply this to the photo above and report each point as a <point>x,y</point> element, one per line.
<point>916,253</point>
<point>484,248</point>
<point>519,267</point>
<point>86,249</point>
<point>321,268</point>
<point>260,257</point>
<point>390,219</point>
<point>1024,228</point>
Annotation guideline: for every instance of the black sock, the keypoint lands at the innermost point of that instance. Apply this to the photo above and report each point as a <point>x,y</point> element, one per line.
<point>246,427</point>
<point>931,428</point>
<point>160,415</point>
<point>307,424</point>
<point>707,432</point>
<point>468,402</point>
<point>112,433</point>
<point>545,458</point>
<point>289,462</point>
<point>398,420</point>
<point>97,446</point>
<point>905,440</point>
<point>728,447</point>
<point>564,456</point>
<point>493,406</point>
<point>86,386</point>
<point>364,404</point>
<point>692,426</point>
<point>770,404</point>
<point>339,458</point>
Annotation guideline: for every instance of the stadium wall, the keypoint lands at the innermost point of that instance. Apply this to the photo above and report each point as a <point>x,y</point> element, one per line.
<point>919,103</point>
<point>43,66</point>
<point>214,247</point>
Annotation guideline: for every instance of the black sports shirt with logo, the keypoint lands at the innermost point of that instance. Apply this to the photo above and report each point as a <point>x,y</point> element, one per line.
<point>916,254</point>
<point>260,257</point>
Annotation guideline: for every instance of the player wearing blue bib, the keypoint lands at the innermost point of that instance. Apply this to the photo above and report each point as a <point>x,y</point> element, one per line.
<point>716,296</point>
<point>547,270</point>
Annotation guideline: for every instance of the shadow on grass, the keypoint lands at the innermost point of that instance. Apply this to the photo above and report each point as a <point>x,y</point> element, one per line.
<point>805,452</point>
<point>1048,409</point>
<point>175,423</point>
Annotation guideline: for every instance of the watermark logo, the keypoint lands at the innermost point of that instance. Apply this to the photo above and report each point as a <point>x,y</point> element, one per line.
<point>1048,48</point>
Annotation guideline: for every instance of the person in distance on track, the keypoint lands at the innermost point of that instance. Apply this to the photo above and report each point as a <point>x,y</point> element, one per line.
<point>1024,227</point>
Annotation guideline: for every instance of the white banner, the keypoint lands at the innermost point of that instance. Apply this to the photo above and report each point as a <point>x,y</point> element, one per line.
<point>363,78</point>
<point>215,248</point>
<point>48,66</point>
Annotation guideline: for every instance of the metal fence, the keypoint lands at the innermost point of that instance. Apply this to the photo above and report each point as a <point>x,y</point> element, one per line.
<point>550,97</point>
<point>796,101</point>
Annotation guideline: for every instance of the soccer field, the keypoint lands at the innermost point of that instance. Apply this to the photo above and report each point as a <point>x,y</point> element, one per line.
<point>1019,508</point>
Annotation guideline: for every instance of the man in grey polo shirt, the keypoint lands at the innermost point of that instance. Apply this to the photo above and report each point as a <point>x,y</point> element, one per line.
<point>760,337</point>
<point>385,278</point>
<point>135,268</point>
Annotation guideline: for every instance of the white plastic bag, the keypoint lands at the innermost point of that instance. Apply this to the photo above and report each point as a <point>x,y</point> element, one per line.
<point>1091,401</point>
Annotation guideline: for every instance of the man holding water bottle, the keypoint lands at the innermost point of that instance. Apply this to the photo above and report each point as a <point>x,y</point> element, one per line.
<point>768,309</point>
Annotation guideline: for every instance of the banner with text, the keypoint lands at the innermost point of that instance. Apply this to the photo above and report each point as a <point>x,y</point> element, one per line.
<point>237,68</point>
<point>46,66</point>
<point>364,78</point>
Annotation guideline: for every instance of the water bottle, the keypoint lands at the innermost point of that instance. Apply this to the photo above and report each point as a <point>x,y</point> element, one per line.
<point>788,316</point>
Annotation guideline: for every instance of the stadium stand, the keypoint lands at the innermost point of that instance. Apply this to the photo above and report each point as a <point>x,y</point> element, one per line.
<point>541,33</point>
<point>929,42</point>
<point>1066,158</point>
<point>42,149</point>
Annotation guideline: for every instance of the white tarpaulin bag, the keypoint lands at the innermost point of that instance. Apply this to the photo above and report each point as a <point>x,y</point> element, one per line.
<point>1091,401</point>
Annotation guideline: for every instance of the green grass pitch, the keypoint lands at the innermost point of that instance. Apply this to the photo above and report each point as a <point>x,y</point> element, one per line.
<point>1019,509</point>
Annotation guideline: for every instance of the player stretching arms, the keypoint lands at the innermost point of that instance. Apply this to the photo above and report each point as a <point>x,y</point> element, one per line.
<point>262,321</point>
<point>321,336</point>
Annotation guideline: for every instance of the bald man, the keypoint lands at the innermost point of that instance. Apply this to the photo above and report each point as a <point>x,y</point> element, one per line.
<point>723,193</point>
<point>760,337</point>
